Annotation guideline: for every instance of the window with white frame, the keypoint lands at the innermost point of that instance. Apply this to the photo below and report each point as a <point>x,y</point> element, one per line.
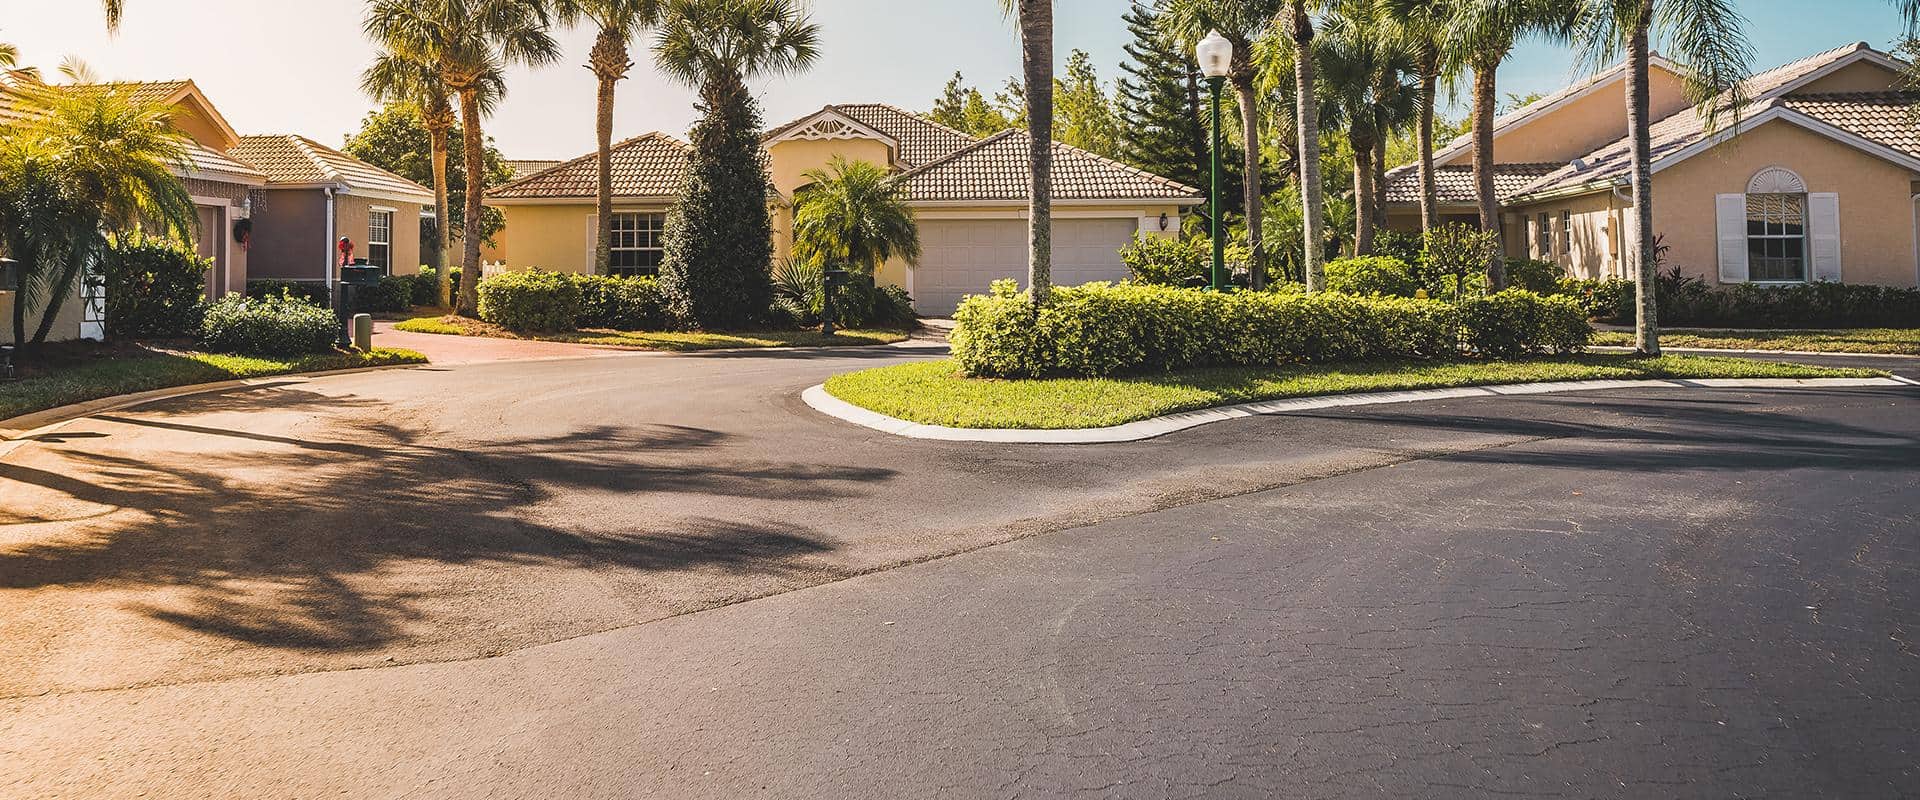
<point>1566,233</point>
<point>1776,237</point>
<point>1543,237</point>
<point>636,243</point>
<point>380,238</point>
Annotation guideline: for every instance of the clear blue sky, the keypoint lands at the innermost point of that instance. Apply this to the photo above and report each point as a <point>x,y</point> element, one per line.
<point>292,66</point>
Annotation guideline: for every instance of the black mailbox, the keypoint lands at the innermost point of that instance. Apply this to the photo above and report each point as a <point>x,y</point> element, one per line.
<point>353,278</point>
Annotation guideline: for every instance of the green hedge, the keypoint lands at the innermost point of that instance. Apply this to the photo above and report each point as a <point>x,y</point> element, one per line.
<point>1810,305</point>
<point>626,304</point>
<point>534,300</point>
<point>153,291</point>
<point>313,292</point>
<point>1381,275</point>
<point>282,325</point>
<point>1099,330</point>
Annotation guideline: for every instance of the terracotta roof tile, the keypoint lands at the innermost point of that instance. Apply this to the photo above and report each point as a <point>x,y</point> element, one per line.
<point>921,140</point>
<point>296,159</point>
<point>522,167</point>
<point>996,168</point>
<point>651,165</point>
<point>1881,117</point>
<point>207,160</point>
<point>1454,183</point>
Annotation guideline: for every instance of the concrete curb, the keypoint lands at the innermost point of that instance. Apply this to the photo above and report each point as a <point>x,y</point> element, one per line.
<point>820,400</point>
<point>16,431</point>
<point>1715,351</point>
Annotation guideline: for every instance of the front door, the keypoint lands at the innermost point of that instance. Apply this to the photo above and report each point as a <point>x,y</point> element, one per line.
<point>210,244</point>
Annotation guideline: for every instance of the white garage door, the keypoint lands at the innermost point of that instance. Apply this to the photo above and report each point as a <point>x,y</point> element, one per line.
<point>963,257</point>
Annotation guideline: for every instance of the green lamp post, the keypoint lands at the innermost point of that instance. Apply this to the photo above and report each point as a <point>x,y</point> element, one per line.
<point>1215,55</point>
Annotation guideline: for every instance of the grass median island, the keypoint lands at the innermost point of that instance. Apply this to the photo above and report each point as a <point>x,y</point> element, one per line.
<point>69,375</point>
<point>677,341</point>
<point>1895,341</point>
<point>935,393</point>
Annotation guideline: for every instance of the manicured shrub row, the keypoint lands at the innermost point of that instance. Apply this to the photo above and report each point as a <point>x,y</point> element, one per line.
<point>1171,261</point>
<point>538,300</point>
<point>1380,275</point>
<point>1602,299</point>
<point>282,325</point>
<point>1811,305</point>
<point>1099,330</point>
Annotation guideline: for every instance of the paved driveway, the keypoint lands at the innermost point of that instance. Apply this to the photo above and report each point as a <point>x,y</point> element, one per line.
<point>1582,594</point>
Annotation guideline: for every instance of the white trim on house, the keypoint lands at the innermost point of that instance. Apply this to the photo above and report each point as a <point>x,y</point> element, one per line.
<point>223,239</point>
<point>1785,114</point>
<point>808,128</point>
<point>661,201</point>
<point>371,194</point>
<point>1553,102</point>
<point>1862,52</point>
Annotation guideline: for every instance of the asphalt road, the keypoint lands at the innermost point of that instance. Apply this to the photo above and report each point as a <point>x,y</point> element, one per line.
<point>366,586</point>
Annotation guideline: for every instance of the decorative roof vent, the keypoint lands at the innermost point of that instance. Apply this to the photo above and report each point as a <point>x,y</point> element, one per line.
<point>1776,180</point>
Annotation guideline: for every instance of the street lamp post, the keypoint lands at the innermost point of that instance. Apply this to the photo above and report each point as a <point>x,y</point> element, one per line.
<point>1215,55</point>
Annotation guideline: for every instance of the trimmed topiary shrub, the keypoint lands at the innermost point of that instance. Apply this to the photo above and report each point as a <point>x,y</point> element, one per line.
<point>153,291</point>
<point>1168,261</point>
<point>392,293</point>
<point>621,303</point>
<point>282,325</point>
<point>534,300</point>
<point>1372,275</point>
<point>1517,322</point>
<point>1099,330</point>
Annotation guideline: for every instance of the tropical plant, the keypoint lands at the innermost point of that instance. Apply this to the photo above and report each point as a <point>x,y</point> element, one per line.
<point>395,138</point>
<point>853,213</point>
<point>1422,29</point>
<point>1035,18</point>
<point>1453,257</point>
<point>1244,22</point>
<point>1707,38</point>
<point>81,166</point>
<point>1486,33</point>
<point>1366,83</point>
<point>470,43</point>
<point>417,85</point>
<point>617,22</point>
<point>719,235</point>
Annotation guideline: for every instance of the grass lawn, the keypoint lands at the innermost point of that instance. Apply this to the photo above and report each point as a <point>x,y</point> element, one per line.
<point>1901,341</point>
<point>934,393</point>
<point>70,376</point>
<point>655,340</point>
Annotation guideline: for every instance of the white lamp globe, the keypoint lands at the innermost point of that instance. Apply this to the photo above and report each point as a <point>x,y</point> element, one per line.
<point>1215,55</point>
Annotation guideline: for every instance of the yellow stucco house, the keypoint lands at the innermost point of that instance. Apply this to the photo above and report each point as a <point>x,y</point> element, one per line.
<point>1818,181</point>
<point>969,195</point>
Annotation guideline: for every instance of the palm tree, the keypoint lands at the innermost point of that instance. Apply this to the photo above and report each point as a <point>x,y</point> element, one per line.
<point>1244,22</point>
<point>396,79</point>
<point>1708,39</point>
<point>1421,28</point>
<point>618,21</point>
<point>1485,31</point>
<point>856,212</point>
<point>1365,86</point>
<point>1036,70</point>
<point>78,167</point>
<point>469,42</point>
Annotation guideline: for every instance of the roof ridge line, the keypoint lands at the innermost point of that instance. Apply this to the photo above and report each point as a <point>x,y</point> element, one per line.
<point>1125,166</point>
<point>971,147</point>
<point>623,143</point>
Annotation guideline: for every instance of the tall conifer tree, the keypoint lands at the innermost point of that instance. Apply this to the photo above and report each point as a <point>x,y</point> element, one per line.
<point>1163,107</point>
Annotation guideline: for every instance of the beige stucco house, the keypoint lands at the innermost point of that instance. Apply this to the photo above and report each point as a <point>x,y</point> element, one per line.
<point>1819,180</point>
<point>969,195</point>
<point>296,196</point>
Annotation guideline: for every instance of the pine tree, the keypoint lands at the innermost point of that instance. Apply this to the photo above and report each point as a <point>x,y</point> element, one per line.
<point>966,109</point>
<point>1163,109</point>
<point>1084,115</point>
<point>719,237</point>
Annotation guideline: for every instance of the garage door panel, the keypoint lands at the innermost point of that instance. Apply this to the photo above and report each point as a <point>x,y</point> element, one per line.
<point>962,257</point>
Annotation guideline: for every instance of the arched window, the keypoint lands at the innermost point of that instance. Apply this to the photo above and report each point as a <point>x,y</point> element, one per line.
<point>1776,226</point>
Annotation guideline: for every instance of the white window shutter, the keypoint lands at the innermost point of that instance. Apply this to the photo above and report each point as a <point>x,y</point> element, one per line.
<point>1731,212</point>
<point>593,240</point>
<point>1823,235</point>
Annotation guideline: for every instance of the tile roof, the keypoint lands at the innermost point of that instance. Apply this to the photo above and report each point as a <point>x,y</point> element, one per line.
<point>996,168</point>
<point>1884,118</point>
<point>650,165</point>
<point>1454,183</point>
<point>138,91</point>
<point>208,160</point>
<point>921,140</point>
<point>522,167</point>
<point>292,159</point>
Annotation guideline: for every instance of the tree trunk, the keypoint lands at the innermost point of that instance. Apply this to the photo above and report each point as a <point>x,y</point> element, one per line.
<point>1483,97</point>
<point>1036,60</point>
<point>438,130</point>
<point>1360,137</point>
<point>1429,192</point>
<point>20,305</point>
<point>1248,97</point>
<point>63,285</point>
<point>476,165</point>
<point>1380,171</point>
<point>1312,203</point>
<point>1646,327</point>
<point>609,64</point>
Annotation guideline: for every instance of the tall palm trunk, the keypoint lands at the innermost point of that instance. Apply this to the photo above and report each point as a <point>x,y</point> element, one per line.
<point>476,196</point>
<point>20,305</point>
<point>64,283</point>
<point>609,64</point>
<point>1360,135</point>
<point>439,129</point>
<point>1646,327</point>
<point>1036,61</point>
<point>1248,98</point>
<point>1429,191</point>
<point>1380,171</point>
<point>1312,203</point>
<point>1483,98</point>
